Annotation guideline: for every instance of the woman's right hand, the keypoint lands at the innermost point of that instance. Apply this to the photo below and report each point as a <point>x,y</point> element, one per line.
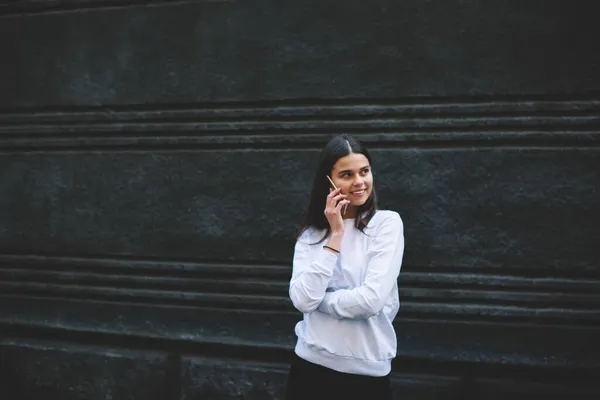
<point>333,210</point>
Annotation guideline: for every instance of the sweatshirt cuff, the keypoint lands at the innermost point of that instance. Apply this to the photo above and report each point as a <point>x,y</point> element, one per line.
<point>326,260</point>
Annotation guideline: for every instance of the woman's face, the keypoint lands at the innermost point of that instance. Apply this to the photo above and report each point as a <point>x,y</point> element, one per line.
<point>352,173</point>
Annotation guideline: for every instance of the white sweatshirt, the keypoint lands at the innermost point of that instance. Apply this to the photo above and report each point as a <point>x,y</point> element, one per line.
<point>349,301</point>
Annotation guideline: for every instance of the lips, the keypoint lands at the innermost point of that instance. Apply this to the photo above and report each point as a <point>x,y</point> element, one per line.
<point>359,193</point>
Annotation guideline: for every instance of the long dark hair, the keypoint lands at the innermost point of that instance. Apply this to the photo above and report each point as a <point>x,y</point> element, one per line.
<point>338,147</point>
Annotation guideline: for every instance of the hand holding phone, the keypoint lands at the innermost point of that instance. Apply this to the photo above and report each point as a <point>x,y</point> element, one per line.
<point>334,187</point>
<point>331,182</point>
<point>333,205</point>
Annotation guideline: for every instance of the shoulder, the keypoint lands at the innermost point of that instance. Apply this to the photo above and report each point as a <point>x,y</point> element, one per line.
<point>386,218</point>
<point>310,236</point>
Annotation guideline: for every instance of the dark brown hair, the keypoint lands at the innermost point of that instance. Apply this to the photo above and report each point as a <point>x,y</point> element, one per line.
<point>338,147</point>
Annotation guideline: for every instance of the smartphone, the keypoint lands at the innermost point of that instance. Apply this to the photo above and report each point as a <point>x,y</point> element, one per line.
<point>330,181</point>
<point>334,188</point>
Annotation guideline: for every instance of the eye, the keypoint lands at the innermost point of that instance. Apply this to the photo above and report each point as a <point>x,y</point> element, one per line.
<point>365,171</point>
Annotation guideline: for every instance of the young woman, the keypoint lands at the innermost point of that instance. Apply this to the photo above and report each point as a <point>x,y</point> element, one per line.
<point>346,264</point>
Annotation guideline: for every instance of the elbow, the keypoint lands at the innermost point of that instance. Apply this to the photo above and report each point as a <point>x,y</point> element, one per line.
<point>372,307</point>
<point>368,312</point>
<point>364,311</point>
<point>306,306</point>
<point>303,302</point>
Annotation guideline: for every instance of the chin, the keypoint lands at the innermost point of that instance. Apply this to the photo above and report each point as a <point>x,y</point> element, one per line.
<point>360,203</point>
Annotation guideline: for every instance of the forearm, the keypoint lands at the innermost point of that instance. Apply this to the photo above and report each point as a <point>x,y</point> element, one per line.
<point>358,303</point>
<point>384,255</point>
<point>334,243</point>
<point>308,287</point>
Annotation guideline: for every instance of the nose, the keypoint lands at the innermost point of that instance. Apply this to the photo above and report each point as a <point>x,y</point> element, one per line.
<point>358,181</point>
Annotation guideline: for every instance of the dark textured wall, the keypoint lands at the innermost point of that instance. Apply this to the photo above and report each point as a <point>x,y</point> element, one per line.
<point>155,159</point>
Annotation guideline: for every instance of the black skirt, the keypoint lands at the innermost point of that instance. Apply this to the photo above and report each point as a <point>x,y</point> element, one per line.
<point>308,381</point>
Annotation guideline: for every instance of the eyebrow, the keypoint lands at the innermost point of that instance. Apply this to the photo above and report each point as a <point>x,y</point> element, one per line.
<point>349,170</point>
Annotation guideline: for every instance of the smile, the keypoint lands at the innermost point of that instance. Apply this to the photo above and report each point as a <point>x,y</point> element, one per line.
<point>358,193</point>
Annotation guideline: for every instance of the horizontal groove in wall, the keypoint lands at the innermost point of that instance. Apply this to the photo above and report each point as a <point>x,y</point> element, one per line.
<point>531,277</point>
<point>282,128</point>
<point>19,7</point>
<point>428,310</point>
<point>494,124</point>
<point>147,266</point>
<point>283,118</point>
<point>561,141</point>
<point>444,310</point>
<point>311,109</point>
<point>258,292</point>
<point>436,290</point>
<point>405,367</point>
<point>475,295</point>
<point>411,312</point>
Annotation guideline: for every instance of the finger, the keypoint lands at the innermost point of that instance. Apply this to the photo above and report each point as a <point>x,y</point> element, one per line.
<point>333,192</point>
<point>337,199</point>
<point>342,203</point>
<point>332,201</point>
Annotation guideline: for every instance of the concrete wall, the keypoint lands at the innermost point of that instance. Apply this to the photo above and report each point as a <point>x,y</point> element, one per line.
<point>155,160</point>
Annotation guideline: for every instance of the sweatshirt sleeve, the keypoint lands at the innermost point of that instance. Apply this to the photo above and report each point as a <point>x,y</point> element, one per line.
<point>311,273</point>
<point>384,262</point>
